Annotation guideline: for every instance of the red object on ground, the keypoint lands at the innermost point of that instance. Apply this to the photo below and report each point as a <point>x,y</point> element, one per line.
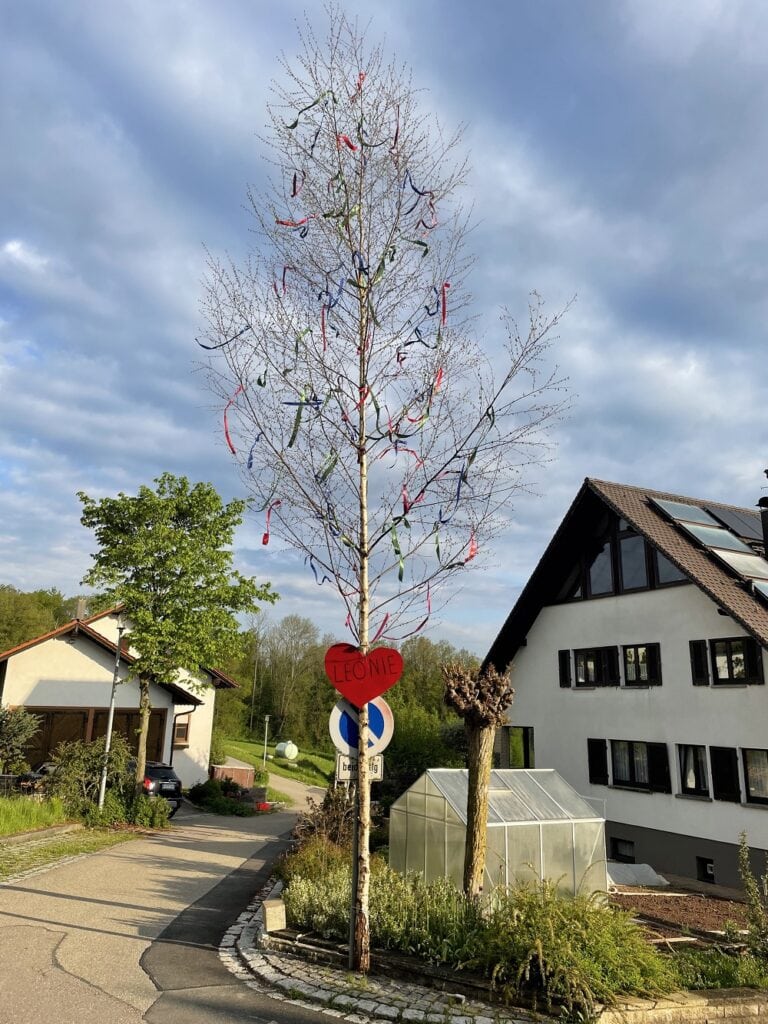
<point>361,677</point>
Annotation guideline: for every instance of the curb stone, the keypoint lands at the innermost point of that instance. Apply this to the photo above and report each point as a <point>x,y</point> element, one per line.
<point>328,990</point>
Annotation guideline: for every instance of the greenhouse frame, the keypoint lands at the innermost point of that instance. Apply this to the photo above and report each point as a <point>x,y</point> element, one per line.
<point>538,828</point>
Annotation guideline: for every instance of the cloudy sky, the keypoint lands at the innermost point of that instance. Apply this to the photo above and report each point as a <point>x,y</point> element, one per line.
<point>619,153</point>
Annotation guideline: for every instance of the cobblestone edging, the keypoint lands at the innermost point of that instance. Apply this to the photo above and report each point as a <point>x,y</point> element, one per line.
<point>337,993</point>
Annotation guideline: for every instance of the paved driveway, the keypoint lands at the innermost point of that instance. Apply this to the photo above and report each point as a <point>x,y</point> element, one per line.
<point>72,937</point>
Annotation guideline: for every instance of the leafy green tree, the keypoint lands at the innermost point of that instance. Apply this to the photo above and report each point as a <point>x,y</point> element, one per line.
<point>17,727</point>
<point>166,556</point>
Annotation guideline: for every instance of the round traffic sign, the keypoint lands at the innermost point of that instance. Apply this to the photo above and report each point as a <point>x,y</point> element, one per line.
<point>343,727</point>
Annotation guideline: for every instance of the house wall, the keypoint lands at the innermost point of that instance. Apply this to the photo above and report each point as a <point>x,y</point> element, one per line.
<point>675,712</point>
<point>66,672</point>
<point>59,673</point>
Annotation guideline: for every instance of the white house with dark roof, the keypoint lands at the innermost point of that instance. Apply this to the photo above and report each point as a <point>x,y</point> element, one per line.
<point>65,678</point>
<point>637,651</point>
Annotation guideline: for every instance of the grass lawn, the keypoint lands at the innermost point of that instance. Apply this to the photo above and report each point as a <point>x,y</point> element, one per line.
<point>311,768</point>
<point>20,857</point>
<point>22,814</point>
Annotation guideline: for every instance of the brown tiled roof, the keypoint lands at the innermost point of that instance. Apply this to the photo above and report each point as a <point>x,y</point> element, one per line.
<point>221,680</point>
<point>727,590</point>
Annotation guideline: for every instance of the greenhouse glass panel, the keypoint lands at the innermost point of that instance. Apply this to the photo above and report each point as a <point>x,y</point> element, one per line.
<point>566,797</point>
<point>589,856</point>
<point>524,845</point>
<point>435,851</point>
<point>417,803</point>
<point>435,807</point>
<point>495,858</point>
<point>455,838</point>
<point>557,844</point>
<point>416,840</point>
<point>397,826</point>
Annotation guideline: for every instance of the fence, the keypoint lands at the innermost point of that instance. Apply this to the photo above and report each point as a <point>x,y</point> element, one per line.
<point>8,785</point>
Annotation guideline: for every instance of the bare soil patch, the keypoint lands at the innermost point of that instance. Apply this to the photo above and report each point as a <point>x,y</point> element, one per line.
<point>686,911</point>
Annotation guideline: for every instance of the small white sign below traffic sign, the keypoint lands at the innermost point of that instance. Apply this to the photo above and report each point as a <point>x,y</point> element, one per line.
<point>346,768</point>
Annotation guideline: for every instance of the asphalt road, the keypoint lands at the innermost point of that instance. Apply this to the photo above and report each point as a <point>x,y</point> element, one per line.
<point>131,934</point>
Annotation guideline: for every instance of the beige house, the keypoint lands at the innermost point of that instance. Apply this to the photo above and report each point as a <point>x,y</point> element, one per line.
<point>65,677</point>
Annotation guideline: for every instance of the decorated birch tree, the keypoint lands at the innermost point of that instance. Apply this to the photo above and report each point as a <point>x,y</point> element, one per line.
<point>371,430</point>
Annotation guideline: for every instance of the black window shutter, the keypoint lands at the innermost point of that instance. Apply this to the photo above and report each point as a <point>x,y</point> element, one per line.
<point>725,774</point>
<point>564,660</point>
<point>653,653</point>
<point>658,768</point>
<point>610,666</point>
<point>597,753</point>
<point>754,662</point>
<point>699,665</point>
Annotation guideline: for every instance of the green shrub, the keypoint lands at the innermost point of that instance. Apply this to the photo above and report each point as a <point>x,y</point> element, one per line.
<point>260,776</point>
<point>114,812</point>
<point>77,774</point>
<point>17,727</point>
<point>527,941</point>
<point>317,858</point>
<point>756,892</point>
<point>150,812</point>
<point>332,818</point>
<point>713,968</point>
<point>218,753</point>
<point>575,950</point>
<point>211,796</point>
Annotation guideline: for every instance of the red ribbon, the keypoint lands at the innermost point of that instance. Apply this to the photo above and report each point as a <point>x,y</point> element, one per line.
<point>359,89</point>
<point>381,628</point>
<point>226,419</point>
<point>344,140</point>
<point>438,379</point>
<point>275,504</point>
<point>274,283</point>
<point>444,312</point>
<point>294,223</point>
<point>473,549</point>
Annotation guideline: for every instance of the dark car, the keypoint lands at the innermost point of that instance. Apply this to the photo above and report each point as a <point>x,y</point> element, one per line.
<point>162,780</point>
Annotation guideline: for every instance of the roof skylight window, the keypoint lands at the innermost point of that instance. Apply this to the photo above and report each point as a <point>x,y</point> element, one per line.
<point>715,537</point>
<point>751,566</point>
<point>684,513</point>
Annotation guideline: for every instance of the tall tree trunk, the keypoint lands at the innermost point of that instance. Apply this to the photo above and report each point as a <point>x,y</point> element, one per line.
<point>479,763</point>
<point>141,755</point>
<point>361,946</point>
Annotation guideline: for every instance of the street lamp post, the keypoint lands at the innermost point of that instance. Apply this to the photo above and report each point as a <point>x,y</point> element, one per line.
<point>111,716</point>
<point>266,733</point>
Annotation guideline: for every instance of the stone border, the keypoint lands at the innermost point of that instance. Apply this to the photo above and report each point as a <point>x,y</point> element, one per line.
<point>303,981</point>
<point>245,952</point>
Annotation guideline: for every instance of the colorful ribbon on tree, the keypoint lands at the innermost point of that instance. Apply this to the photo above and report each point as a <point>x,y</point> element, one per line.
<point>231,402</point>
<point>274,505</point>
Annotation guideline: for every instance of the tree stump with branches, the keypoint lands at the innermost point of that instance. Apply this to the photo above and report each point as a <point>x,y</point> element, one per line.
<point>481,699</point>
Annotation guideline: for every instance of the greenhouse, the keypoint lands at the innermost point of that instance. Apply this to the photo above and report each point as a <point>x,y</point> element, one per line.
<point>538,828</point>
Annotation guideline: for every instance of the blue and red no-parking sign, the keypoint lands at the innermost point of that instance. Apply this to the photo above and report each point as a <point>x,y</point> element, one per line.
<point>344,729</point>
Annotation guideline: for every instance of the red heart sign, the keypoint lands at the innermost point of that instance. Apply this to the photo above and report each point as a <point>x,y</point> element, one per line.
<point>361,677</point>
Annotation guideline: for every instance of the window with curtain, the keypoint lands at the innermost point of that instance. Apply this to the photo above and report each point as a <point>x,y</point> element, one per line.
<point>694,779</point>
<point>756,775</point>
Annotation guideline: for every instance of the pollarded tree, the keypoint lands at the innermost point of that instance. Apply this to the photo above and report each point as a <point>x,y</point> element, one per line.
<point>368,423</point>
<point>481,700</point>
<point>165,555</point>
